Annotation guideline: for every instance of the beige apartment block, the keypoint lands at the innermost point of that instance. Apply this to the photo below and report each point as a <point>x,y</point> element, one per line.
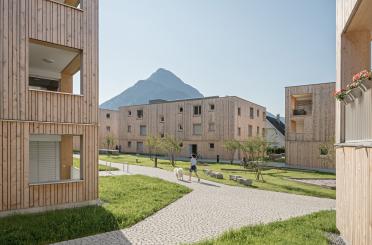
<point>201,124</point>
<point>354,124</point>
<point>108,126</point>
<point>310,123</point>
<point>44,46</point>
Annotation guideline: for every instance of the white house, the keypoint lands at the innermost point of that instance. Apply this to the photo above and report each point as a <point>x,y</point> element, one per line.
<point>275,131</point>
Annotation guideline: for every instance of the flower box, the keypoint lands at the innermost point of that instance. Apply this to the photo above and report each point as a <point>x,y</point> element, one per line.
<point>348,99</point>
<point>365,84</point>
<point>355,93</point>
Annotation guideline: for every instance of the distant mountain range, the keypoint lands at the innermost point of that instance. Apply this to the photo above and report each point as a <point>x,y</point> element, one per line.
<point>162,84</point>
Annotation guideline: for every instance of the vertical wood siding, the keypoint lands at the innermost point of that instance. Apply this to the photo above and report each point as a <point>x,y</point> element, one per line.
<point>302,149</point>
<point>24,112</point>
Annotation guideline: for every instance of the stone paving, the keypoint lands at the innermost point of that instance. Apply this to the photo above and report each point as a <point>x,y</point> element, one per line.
<point>208,211</point>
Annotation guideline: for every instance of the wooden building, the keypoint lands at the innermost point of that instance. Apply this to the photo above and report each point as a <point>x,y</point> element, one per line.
<point>44,46</point>
<point>201,124</point>
<point>354,124</point>
<point>108,126</point>
<point>310,125</point>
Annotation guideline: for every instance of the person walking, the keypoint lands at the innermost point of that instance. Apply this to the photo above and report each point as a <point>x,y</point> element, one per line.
<point>193,168</point>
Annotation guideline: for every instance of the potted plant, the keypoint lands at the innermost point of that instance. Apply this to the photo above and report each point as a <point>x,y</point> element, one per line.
<point>355,90</point>
<point>343,96</point>
<point>363,80</point>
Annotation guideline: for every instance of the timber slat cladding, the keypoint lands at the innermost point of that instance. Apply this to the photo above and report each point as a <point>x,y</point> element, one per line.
<point>302,149</point>
<point>24,111</point>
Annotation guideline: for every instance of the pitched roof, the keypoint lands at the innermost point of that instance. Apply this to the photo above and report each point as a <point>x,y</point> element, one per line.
<point>279,125</point>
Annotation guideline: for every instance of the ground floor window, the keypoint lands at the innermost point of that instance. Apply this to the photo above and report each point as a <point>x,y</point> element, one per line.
<point>51,158</point>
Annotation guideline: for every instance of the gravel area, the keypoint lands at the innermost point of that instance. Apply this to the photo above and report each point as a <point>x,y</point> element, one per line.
<point>335,239</point>
<point>208,211</point>
<point>328,183</point>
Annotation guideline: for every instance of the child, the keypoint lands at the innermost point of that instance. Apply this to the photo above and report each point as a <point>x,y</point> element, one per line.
<point>193,162</point>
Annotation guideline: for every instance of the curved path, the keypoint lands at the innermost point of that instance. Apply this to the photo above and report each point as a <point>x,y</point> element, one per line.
<point>208,211</point>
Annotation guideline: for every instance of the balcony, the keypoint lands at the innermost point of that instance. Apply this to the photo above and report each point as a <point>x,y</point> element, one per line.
<point>302,105</point>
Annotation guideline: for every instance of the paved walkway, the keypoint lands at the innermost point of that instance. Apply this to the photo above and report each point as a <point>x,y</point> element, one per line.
<point>208,211</point>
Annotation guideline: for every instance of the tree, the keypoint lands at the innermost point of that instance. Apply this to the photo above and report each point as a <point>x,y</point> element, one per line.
<point>171,146</point>
<point>231,147</point>
<point>109,143</point>
<point>154,146</point>
<point>254,150</point>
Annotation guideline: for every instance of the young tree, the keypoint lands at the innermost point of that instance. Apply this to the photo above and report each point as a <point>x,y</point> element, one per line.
<point>254,148</point>
<point>171,146</point>
<point>109,143</point>
<point>154,146</point>
<point>231,147</point>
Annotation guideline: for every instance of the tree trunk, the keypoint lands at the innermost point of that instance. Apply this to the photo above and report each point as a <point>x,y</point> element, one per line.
<point>172,157</point>
<point>156,161</point>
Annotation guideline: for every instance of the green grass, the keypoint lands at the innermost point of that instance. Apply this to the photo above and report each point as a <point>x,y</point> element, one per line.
<point>101,167</point>
<point>275,179</point>
<point>308,229</point>
<point>127,200</point>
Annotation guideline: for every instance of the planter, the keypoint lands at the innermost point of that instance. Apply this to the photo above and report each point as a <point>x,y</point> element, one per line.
<point>299,112</point>
<point>365,85</point>
<point>355,93</point>
<point>348,99</point>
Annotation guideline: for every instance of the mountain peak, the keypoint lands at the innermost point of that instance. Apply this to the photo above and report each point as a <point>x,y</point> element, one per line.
<point>162,84</point>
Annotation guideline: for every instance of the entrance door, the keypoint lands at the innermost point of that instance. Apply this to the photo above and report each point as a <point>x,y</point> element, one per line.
<point>194,149</point>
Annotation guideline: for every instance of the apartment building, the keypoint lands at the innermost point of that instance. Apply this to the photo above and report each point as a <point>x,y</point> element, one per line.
<point>354,123</point>
<point>310,125</point>
<point>201,124</point>
<point>49,99</point>
<point>108,126</point>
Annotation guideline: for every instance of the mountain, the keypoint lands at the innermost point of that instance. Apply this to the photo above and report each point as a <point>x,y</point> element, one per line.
<point>162,84</point>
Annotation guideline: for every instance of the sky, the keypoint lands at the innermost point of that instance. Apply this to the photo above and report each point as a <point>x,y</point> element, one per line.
<point>248,48</point>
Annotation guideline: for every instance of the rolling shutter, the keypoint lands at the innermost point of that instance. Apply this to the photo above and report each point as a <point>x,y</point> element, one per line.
<point>44,161</point>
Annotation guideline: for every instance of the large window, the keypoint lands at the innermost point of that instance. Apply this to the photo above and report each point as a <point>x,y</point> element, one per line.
<point>197,129</point>
<point>197,110</point>
<point>250,130</point>
<point>143,130</point>
<point>251,112</point>
<point>54,68</point>
<point>139,114</point>
<point>51,158</point>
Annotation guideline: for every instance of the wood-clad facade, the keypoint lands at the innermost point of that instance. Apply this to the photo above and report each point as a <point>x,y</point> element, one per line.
<point>310,120</point>
<point>354,124</point>
<point>201,124</point>
<point>108,125</point>
<point>26,112</point>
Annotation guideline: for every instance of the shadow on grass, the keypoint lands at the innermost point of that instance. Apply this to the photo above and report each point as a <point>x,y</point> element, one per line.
<point>54,226</point>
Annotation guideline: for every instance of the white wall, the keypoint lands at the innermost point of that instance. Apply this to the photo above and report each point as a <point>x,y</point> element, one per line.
<point>273,136</point>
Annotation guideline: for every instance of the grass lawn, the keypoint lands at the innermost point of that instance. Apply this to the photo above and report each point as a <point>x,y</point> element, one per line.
<point>308,229</point>
<point>127,200</point>
<point>275,179</point>
<point>101,167</point>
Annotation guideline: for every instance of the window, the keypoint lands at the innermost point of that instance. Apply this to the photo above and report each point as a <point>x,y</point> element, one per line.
<point>239,131</point>
<point>251,112</point>
<point>54,67</point>
<point>108,128</point>
<point>197,129</point>
<point>258,113</point>
<point>180,109</point>
<point>211,107</point>
<point>239,111</point>
<point>108,115</point>
<point>129,144</point>
<point>51,158</point>
<point>249,130</point>
<point>139,147</point>
<point>129,129</point>
<point>264,116</point>
<point>258,131</point>
<point>143,130</point>
<point>211,127</point>
<point>197,110</point>
<point>140,114</point>
<point>211,146</point>
<point>129,113</point>
<point>162,118</point>
<point>263,132</point>
<point>180,127</point>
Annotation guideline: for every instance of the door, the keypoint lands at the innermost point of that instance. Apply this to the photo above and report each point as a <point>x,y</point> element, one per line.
<point>194,149</point>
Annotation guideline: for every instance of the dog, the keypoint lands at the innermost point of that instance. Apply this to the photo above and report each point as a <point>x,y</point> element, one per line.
<point>179,173</point>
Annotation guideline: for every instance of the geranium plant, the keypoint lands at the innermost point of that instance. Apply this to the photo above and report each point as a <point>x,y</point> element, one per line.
<point>363,75</point>
<point>340,94</point>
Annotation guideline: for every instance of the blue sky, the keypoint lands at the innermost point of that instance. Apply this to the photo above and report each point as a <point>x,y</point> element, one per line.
<point>248,48</point>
